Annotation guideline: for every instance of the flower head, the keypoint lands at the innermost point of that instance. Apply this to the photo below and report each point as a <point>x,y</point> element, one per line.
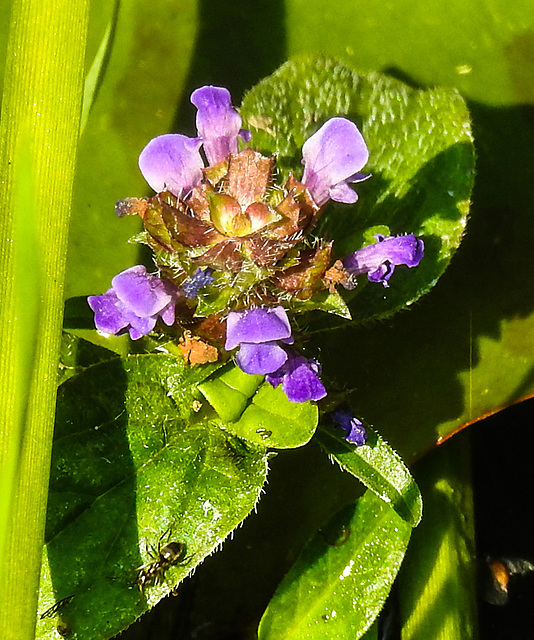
<point>299,377</point>
<point>379,260</point>
<point>258,332</point>
<point>353,428</point>
<point>134,303</point>
<point>332,157</point>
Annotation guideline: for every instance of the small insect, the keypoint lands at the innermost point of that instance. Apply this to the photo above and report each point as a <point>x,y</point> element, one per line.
<point>497,574</point>
<point>337,274</point>
<point>56,607</point>
<point>264,433</point>
<point>153,572</point>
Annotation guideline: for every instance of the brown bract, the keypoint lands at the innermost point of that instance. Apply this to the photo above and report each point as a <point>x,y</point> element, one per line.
<point>304,277</point>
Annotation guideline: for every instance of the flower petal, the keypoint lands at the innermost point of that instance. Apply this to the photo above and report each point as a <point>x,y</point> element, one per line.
<point>109,312</point>
<point>261,324</point>
<point>172,162</point>
<point>141,292</point>
<point>379,260</point>
<point>331,157</point>
<point>218,123</point>
<point>302,382</point>
<point>260,358</point>
<point>353,428</point>
<point>299,378</point>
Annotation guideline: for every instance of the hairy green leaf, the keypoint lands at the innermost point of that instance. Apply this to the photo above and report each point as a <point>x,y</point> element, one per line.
<point>339,583</point>
<point>253,410</point>
<point>421,162</point>
<point>138,462</point>
<point>379,468</point>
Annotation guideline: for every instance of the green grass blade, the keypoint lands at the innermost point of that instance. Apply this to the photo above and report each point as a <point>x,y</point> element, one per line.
<point>38,138</point>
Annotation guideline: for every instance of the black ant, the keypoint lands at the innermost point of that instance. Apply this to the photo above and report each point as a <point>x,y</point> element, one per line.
<point>153,572</point>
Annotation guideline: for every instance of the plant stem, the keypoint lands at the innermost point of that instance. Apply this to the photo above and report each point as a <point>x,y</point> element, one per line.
<point>38,140</point>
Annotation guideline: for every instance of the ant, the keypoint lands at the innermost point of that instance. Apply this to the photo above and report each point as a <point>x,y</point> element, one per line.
<point>169,555</point>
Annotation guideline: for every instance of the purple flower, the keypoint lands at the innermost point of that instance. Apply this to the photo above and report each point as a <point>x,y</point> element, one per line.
<point>199,279</point>
<point>172,162</point>
<point>258,333</point>
<point>353,428</point>
<point>134,303</point>
<point>299,378</point>
<point>218,123</point>
<point>332,157</point>
<point>379,260</point>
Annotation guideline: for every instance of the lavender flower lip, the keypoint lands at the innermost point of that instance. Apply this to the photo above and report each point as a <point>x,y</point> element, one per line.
<point>259,333</point>
<point>353,429</point>
<point>218,123</point>
<point>134,303</point>
<point>299,377</point>
<point>379,260</point>
<point>332,157</point>
<point>172,162</point>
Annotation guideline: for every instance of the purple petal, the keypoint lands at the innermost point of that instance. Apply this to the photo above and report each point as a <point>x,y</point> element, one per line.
<point>262,324</point>
<point>141,292</point>
<point>299,378</point>
<point>379,260</point>
<point>172,162</point>
<point>109,312</point>
<point>134,303</point>
<point>353,428</point>
<point>302,382</point>
<point>260,358</point>
<point>218,123</point>
<point>331,158</point>
<point>139,327</point>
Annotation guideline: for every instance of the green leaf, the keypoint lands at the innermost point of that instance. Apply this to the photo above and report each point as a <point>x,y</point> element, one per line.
<point>421,161</point>
<point>253,410</point>
<point>137,463</point>
<point>466,349</point>
<point>230,391</point>
<point>339,583</point>
<point>379,468</point>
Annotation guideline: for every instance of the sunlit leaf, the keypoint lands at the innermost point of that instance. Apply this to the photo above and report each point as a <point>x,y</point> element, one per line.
<point>253,410</point>
<point>339,583</point>
<point>137,463</point>
<point>379,468</point>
